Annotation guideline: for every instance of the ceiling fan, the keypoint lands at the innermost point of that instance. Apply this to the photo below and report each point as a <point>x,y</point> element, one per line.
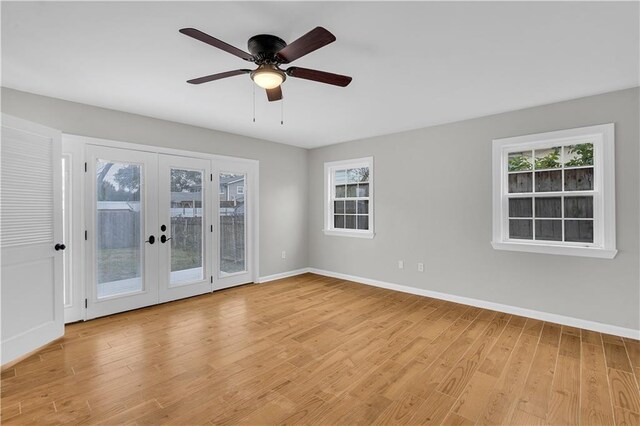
<point>268,52</point>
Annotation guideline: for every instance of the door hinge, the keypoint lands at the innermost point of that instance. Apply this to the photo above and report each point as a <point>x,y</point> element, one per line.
<point>86,235</point>
<point>211,279</point>
<point>211,228</point>
<point>211,177</point>
<point>85,167</point>
<point>86,303</point>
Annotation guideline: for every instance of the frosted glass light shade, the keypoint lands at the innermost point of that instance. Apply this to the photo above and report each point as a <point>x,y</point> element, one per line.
<point>267,77</point>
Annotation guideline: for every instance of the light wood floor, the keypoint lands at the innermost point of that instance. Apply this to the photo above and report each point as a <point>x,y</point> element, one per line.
<point>311,349</point>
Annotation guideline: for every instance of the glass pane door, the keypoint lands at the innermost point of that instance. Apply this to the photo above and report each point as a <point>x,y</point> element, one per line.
<point>122,254</point>
<point>160,225</point>
<point>232,227</point>
<point>183,230</point>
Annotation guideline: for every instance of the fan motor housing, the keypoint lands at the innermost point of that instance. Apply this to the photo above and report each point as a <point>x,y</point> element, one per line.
<point>264,47</point>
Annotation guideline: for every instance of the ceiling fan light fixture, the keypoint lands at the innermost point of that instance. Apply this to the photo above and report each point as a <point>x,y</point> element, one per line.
<point>268,76</point>
<point>268,52</point>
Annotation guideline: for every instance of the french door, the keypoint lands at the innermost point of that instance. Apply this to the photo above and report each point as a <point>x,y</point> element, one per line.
<point>183,246</point>
<point>163,227</point>
<point>122,223</point>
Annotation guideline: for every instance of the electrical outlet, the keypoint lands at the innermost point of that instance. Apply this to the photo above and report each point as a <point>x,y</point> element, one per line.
<point>400,264</point>
<point>420,267</point>
<point>284,254</point>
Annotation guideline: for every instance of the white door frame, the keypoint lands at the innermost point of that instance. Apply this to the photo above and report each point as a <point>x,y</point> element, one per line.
<point>77,146</point>
<point>75,311</point>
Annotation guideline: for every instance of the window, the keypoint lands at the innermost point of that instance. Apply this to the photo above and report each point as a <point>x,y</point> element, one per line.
<point>554,192</point>
<point>240,190</point>
<point>349,198</point>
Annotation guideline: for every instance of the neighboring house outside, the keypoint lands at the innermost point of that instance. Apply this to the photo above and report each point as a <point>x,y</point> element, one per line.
<point>232,188</point>
<point>231,195</point>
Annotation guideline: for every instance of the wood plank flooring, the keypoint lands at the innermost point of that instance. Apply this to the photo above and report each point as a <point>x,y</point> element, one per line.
<point>318,350</point>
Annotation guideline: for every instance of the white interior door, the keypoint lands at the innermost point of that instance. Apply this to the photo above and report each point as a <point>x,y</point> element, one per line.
<point>234,231</point>
<point>184,231</point>
<point>122,239</point>
<point>31,237</point>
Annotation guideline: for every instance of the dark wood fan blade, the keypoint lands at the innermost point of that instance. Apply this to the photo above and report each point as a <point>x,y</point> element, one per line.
<point>313,40</point>
<point>320,76</point>
<point>218,76</point>
<point>274,94</point>
<point>206,38</point>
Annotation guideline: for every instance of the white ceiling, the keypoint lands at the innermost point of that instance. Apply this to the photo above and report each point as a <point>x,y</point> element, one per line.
<point>413,64</point>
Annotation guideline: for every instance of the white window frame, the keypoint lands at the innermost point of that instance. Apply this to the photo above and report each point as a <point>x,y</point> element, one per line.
<point>604,230</point>
<point>329,175</point>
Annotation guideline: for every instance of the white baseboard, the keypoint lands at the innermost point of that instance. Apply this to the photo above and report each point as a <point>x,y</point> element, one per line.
<point>514,310</point>
<point>281,275</point>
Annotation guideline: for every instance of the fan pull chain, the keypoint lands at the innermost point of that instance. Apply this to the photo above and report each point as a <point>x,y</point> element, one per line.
<point>254,101</point>
<point>282,112</point>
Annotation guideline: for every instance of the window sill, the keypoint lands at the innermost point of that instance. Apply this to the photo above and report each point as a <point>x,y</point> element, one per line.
<point>553,249</point>
<point>353,234</point>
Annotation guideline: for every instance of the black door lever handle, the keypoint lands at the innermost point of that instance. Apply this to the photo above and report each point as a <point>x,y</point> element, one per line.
<point>59,247</point>
<point>164,239</point>
<point>151,239</point>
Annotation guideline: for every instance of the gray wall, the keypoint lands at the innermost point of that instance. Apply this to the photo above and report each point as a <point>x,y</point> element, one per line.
<point>283,168</point>
<point>433,205</point>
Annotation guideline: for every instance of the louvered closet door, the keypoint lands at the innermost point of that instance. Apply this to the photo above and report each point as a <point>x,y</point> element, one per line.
<point>31,228</point>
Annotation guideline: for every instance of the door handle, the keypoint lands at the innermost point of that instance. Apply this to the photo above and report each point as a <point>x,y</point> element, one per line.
<point>164,239</point>
<point>59,247</point>
<point>151,240</point>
